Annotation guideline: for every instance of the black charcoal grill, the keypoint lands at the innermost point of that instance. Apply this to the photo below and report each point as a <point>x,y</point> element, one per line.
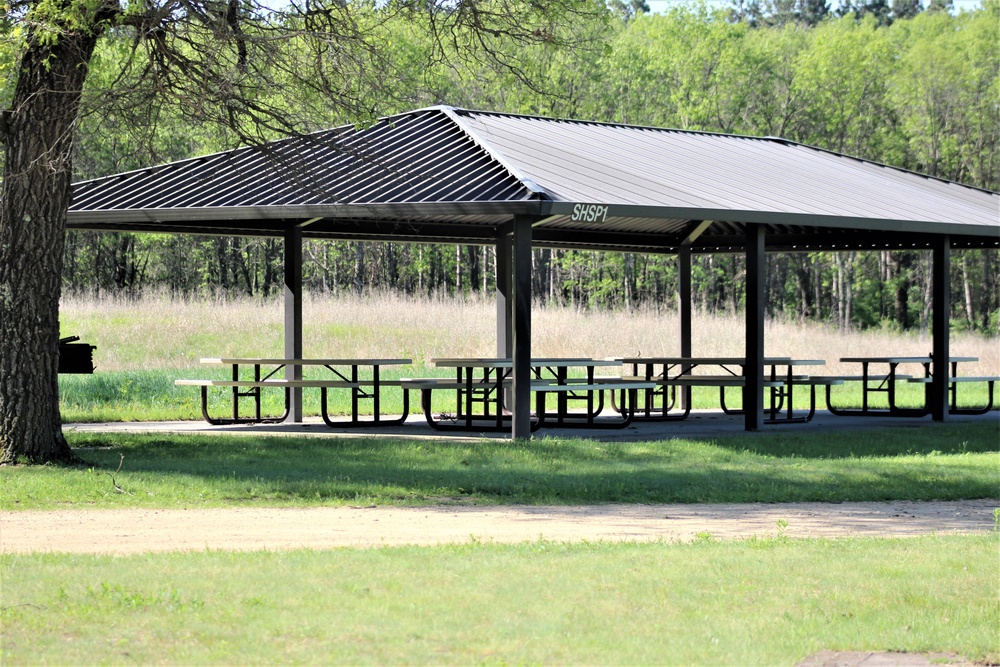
<point>75,357</point>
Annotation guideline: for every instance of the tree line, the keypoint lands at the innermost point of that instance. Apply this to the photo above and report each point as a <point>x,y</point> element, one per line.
<point>894,84</point>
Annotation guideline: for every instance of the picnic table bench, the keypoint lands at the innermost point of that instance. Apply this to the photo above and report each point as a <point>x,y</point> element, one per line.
<point>873,384</point>
<point>484,382</point>
<point>671,373</point>
<point>361,388</point>
<point>954,382</point>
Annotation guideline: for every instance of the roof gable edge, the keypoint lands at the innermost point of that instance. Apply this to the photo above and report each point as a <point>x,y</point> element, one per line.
<point>496,155</point>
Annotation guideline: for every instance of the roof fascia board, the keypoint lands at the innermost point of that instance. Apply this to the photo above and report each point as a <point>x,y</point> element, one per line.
<point>93,219</point>
<point>580,210</point>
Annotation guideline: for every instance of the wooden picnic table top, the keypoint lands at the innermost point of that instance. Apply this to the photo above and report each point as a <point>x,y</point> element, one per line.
<point>307,362</point>
<point>902,360</point>
<point>553,362</point>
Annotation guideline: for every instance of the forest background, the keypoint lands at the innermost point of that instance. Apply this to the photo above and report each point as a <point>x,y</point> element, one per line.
<point>900,85</point>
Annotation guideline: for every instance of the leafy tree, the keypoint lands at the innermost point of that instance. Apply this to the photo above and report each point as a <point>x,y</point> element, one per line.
<point>814,12</point>
<point>879,9</point>
<point>629,9</point>
<point>841,80</point>
<point>946,6</point>
<point>230,64</point>
<point>905,9</point>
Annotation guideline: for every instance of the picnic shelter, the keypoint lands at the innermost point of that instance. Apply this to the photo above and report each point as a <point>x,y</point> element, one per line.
<point>448,175</point>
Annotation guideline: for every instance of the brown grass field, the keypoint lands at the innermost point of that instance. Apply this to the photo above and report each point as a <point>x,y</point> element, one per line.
<point>163,333</point>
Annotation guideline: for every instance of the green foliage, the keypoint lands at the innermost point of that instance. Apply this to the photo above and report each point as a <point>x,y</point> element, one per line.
<point>919,93</point>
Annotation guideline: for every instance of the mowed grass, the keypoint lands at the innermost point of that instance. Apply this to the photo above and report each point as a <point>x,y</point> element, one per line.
<point>934,461</point>
<point>762,601</point>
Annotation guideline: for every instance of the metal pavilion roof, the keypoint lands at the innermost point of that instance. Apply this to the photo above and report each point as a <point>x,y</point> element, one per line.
<point>444,174</point>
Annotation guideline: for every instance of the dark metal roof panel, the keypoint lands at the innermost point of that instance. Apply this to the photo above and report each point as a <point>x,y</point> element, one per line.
<point>419,157</point>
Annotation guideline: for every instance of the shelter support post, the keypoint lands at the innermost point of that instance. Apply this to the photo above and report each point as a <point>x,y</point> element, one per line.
<point>293,316</point>
<point>753,390</point>
<point>521,348</point>
<point>684,312</point>
<point>940,313</point>
<point>505,337</point>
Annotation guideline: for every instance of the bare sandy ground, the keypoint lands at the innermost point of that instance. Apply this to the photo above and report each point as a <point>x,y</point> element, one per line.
<point>135,531</point>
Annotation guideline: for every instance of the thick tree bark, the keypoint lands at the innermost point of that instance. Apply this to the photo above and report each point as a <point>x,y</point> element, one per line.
<point>38,136</point>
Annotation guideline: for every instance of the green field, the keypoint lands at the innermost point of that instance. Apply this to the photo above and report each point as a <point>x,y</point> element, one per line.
<point>764,601</point>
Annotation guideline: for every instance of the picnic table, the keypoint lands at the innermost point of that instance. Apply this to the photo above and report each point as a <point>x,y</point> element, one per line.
<point>671,373</point>
<point>346,374</point>
<point>875,383</point>
<point>484,381</point>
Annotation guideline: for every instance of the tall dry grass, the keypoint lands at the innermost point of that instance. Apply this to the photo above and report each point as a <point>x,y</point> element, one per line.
<point>162,333</point>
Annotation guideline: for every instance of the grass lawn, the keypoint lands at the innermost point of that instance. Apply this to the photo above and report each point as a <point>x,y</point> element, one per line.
<point>764,601</point>
<point>758,601</point>
<point>935,461</point>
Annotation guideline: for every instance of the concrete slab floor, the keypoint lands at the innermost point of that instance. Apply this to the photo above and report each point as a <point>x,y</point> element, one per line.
<point>701,424</point>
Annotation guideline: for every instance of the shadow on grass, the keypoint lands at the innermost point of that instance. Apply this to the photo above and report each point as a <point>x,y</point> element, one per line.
<point>949,461</point>
<point>918,439</point>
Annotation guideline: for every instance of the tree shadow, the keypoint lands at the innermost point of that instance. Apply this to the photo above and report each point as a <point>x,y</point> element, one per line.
<point>785,467</point>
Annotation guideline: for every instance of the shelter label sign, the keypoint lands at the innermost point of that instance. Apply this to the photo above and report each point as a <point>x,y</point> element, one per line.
<point>589,213</point>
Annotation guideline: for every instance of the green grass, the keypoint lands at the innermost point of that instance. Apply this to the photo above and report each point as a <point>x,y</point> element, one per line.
<point>152,396</point>
<point>762,601</point>
<point>148,395</point>
<point>935,461</point>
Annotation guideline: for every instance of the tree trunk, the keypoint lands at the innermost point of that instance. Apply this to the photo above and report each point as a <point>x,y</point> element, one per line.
<point>38,139</point>
<point>841,287</point>
<point>359,267</point>
<point>805,294</point>
<point>970,313</point>
<point>849,291</point>
<point>903,263</point>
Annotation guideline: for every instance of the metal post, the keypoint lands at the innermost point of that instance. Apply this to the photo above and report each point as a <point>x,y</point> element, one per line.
<point>503,294</point>
<point>940,315</point>
<point>293,315</point>
<point>753,392</point>
<point>684,312</point>
<point>521,348</point>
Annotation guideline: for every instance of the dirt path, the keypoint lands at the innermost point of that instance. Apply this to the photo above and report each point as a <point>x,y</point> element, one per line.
<point>136,531</point>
